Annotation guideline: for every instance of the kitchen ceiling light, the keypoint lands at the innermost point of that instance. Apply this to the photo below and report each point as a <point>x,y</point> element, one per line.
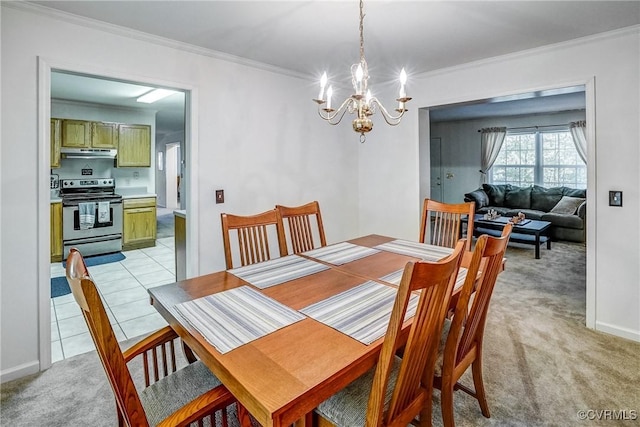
<point>155,95</point>
<point>362,103</point>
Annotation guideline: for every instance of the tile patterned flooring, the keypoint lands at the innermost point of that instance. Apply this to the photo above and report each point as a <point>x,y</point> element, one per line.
<point>123,286</point>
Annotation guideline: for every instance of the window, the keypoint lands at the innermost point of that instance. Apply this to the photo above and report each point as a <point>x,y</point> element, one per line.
<point>548,159</point>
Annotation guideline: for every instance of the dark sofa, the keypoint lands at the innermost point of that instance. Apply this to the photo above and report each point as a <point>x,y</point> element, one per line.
<point>565,208</point>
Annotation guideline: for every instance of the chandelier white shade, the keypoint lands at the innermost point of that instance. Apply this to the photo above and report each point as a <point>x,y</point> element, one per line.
<point>361,103</point>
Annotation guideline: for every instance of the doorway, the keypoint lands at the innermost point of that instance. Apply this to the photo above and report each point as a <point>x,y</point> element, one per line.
<point>172,175</point>
<point>461,161</point>
<point>48,90</point>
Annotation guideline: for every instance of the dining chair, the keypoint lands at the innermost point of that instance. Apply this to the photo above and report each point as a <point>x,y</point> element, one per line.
<point>253,236</point>
<point>171,396</point>
<point>301,230</point>
<point>461,342</point>
<point>441,223</point>
<point>398,389</point>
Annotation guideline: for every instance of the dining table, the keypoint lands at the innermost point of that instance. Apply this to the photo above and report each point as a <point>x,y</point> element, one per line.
<point>286,334</point>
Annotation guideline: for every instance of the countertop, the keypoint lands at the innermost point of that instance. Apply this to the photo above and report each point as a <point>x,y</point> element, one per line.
<point>181,213</point>
<point>134,192</point>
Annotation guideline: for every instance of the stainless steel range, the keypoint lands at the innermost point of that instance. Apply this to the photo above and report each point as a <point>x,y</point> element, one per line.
<point>91,216</point>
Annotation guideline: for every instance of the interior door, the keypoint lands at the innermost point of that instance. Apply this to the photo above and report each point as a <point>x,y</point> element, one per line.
<point>436,169</point>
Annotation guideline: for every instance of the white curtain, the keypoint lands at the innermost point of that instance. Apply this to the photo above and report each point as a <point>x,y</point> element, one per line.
<point>578,132</point>
<point>492,139</point>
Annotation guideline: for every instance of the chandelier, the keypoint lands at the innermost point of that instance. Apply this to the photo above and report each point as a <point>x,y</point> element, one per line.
<point>361,103</point>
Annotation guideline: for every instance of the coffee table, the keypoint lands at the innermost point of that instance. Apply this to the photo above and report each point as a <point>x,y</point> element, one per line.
<point>531,231</point>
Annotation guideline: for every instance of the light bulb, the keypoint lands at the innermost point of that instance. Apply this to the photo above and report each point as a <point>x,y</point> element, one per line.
<point>323,83</point>
<point>329,93</point>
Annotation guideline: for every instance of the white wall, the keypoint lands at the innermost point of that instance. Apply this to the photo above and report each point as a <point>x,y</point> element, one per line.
<point>613,60</point>
<point>258,137</point>
<point>461,148</point>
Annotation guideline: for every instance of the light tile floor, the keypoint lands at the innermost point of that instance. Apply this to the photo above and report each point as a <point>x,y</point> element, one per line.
<point>123,286</point>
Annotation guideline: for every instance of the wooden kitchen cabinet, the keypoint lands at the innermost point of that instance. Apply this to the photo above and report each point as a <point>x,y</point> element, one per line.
<point>139,223</point>
<point>134,146</point>
<point>56,232</point>
<point>56,139</point>
<point>104,135</point>
<point>76,133</point>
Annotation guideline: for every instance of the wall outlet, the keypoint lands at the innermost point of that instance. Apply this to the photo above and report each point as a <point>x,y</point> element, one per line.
<point>136,175</point>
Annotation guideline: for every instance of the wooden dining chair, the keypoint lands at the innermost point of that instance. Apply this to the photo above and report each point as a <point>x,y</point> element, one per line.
<point>461,343</point>
<point>301,229</point>
<point>171,397</point>
<point>441,223</point>
<point>253,236</point>
<point>398,389</point>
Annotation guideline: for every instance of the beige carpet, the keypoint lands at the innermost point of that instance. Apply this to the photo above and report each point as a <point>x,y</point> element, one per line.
<point>541,365</point>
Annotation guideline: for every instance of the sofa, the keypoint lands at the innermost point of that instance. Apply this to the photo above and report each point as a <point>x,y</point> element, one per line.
<point>565,208</point>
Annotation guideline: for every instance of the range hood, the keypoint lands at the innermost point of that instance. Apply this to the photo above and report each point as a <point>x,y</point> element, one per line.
<point>88,153</point>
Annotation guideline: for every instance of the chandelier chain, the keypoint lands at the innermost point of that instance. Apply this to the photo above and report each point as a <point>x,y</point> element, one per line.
<point>361,31</point>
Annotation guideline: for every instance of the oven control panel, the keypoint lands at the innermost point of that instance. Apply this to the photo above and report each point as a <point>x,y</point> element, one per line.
<point>86,183</point>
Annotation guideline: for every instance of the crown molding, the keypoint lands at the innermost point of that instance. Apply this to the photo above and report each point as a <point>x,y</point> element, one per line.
<point>534,51</point>
<point>146,37</point>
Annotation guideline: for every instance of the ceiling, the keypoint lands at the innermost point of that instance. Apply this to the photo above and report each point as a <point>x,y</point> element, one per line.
<point>307,37</point>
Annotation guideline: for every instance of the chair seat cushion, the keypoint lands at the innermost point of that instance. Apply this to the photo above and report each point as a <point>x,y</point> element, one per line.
<point>443,340</point>
<point>172,392</point>
<point>348,407</point>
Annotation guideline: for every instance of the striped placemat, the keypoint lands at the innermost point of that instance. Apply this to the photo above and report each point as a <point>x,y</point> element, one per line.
<point>273,272</point>
<point>362,312</point>
<point>341,253</point>
<point>395,277</point>
<point>419,250</point>
<point>235,317</point>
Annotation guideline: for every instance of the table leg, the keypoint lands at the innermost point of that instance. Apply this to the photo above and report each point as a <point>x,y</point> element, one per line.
<point>537,245</point>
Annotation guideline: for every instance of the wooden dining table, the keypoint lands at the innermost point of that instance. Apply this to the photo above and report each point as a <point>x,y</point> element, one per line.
<point>282,376</point>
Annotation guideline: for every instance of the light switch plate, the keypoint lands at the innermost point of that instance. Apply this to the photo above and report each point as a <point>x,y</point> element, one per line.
<point>219,196</point>
<point>615,198</point>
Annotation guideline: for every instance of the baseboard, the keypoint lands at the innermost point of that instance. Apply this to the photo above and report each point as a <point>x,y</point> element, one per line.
<point>19,371</point>
<point>629,334</point>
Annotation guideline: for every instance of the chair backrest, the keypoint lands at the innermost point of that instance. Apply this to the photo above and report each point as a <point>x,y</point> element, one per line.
<point>414,384</point>
<point>442,222</point>
<point>86,295</point>
<point>301,230</point>
<point>467,327</point>
<point>253,236</point>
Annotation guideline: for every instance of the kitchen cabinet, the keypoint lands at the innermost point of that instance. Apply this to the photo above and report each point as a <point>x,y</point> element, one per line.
<point>134,146</point>
<point>139,223</point>
<point>56,134</point>
<point>56,232</point>
<point>76,133</point>
<point>104,135</point>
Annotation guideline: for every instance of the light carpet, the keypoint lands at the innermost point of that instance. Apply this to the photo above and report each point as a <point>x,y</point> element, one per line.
<point>541,364</point>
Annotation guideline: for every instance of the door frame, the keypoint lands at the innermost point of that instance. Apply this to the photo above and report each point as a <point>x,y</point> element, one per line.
<point>589,84</point>
<point>190,156</point>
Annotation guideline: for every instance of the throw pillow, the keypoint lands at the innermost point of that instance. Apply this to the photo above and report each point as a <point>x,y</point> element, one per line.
<point>518,197</point>
<point>479,197</point>
<point>496,193</point>
<point>567,205</point>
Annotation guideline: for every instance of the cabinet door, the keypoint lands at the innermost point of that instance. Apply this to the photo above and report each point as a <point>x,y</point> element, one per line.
<point>76,133</point>
<point>56,127</point>
<point>104,135</point>
<point>139,225</point>
<point>56,232</point>
<point>134,146</point>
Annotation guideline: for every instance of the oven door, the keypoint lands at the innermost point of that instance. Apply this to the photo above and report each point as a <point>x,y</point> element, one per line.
<point>74,231</point>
